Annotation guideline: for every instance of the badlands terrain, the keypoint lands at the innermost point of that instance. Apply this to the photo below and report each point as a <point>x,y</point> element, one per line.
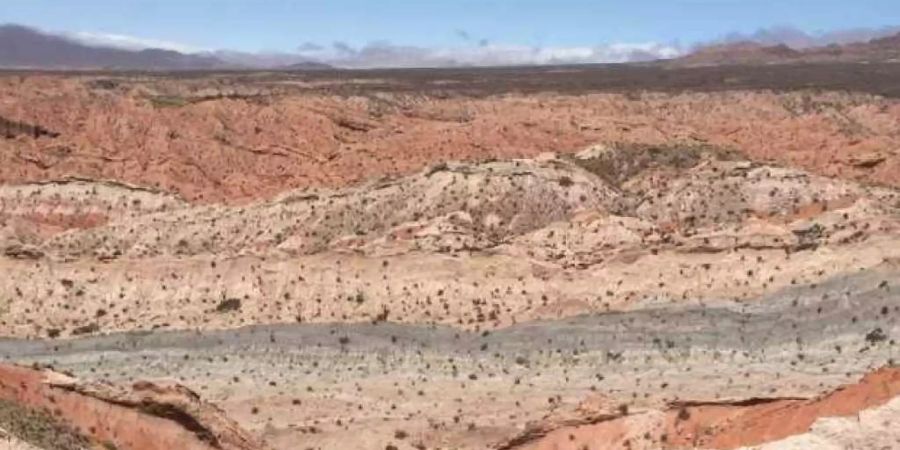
<point>575,258</point>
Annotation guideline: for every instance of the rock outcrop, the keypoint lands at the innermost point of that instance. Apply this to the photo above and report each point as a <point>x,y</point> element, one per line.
<point>765,422</point>
<point>144,416</point>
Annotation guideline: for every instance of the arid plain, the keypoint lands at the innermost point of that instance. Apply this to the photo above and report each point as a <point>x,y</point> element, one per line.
<point>576,258</point>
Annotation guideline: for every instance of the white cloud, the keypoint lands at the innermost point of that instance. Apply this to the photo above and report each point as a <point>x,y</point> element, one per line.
<point>129,42</point>
<point>383,54</point>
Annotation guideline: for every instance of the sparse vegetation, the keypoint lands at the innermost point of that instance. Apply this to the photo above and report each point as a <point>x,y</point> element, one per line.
<point>229,305</point>
<point>168,101</point>
<point>39,429</point>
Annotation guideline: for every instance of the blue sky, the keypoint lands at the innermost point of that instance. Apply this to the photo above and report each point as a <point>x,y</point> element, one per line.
<point>254,25</point>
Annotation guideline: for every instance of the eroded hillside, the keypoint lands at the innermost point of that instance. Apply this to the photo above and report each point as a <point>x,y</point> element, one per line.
<point>218,140</point>
<point>385,269</point>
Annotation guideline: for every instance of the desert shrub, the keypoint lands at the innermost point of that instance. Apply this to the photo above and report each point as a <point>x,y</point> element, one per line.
<point>229,305</point>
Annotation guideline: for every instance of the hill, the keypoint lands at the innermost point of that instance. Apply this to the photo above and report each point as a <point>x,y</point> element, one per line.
<point>26,48</point>
<point>885,49</point>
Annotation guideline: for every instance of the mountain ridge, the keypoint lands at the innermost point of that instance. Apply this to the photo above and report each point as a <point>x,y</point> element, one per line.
<point>884,49</point>
<point>22,47</point>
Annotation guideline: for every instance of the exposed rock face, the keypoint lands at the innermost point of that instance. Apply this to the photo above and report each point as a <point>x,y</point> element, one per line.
<point>729,425</point>
<point>553,228</point>
<point>732,266</point>
<point>33,212</point>
<point>145,416</point>
<point>347,266</point>
<point>758,422</point>
<point>871,428</point>
<point>213,141</point>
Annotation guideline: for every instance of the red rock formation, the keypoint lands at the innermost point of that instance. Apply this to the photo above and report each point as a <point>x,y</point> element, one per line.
<point>712,425</point>
<point>237,148</point>
<point>146,416</point>
<point>756,422</point>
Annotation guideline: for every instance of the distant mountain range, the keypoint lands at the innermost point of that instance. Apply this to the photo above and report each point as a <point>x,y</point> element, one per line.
<point>25,48</point>
<point>885,49</point>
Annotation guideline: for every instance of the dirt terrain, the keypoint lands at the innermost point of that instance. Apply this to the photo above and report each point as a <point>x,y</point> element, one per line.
<point>235,140</point>
<point>370,260</point>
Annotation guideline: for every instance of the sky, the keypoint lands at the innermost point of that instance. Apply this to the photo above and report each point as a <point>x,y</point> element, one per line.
<point>510,25</point>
